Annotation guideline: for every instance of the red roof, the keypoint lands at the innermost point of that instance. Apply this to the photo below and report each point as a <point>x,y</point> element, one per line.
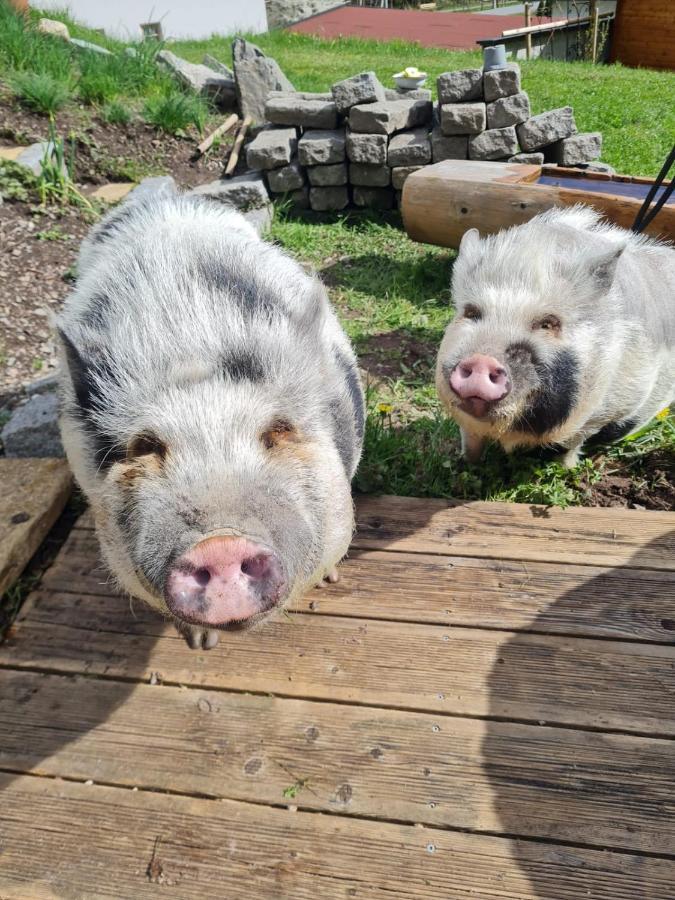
<point>457,31</point>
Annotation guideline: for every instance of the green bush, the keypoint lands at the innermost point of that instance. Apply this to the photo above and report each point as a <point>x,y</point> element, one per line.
<point>116,113</point>
<point>40,91</point>
<point>174,112</point>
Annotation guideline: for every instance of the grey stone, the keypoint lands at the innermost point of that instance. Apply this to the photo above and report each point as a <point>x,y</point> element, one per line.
<point>462,118</point>
<point>363,88</point>
<point>212,63</point>
<point>369,176</point>
<point>320,147</point>
<point>409,148</point>
<point>131,52</point>
<point>54,27</point>
<point>272,148</point>
<point>34,155</point>
<point>389,116</point>
<point>547,128</point>
<point>244,192</point>
<point>401,173</point>
<point>508,111</point>
<point>597,166</point>
<point>373,197</point>
<point>496,143</point>
<point>159,184</point>
<point>301,95</point>
<point>462,86</point>
<point>281,13</point>
<point>444,147</point>
<point>533,159</point>
<point>255,76</point>
<point>367,148</point>
<point>501,83</point>
<point>579,148</point>
<point>402,94</point>
<point>33,429</point>
<point>42,385</point>
<point>325,176</point>
<point>287,178</point>
<point>300,199</point>
<point>305,113</point>
<point>261,218</point>
<point>201,80</point>
<point>92,48</point>
<point>324,199</point>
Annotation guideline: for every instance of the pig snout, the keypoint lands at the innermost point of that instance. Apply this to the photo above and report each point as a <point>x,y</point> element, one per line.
<point>479,381</point>
<point>223,580</point>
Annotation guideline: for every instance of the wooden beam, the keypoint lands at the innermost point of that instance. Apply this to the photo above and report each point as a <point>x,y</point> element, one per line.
<point>236,149</point>
<point>219,132</point>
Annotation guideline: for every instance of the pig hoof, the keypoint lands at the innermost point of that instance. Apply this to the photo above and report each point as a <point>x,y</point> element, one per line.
<point>200,638</point>
<point>331,577</point>
<point>570,459</point>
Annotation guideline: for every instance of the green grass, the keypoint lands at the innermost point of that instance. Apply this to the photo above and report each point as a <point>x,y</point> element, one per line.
<point>393,298</point>
<point>174,112</point>
<point>40,91</point>
<point>116,113</point>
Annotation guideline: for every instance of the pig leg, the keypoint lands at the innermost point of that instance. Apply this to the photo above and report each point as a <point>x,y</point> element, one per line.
<point>472,446</point>
<point>199,638</point>
<point>332,576</point>
<point>570,458</point>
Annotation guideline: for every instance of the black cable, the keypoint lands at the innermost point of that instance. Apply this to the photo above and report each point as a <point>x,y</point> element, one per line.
<point>646,215</point>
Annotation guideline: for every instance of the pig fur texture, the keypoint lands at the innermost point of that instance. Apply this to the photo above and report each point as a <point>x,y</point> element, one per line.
<point>564,331</point>
<point>209,395</point>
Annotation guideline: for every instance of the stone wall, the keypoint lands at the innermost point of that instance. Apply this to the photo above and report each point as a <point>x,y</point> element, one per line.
<point>358,143</point>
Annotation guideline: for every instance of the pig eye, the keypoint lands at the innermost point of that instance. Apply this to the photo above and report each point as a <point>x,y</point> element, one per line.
<point>548,323</point>
<point>472,312</point>
<point>278,432</point>
<point>146,445</point>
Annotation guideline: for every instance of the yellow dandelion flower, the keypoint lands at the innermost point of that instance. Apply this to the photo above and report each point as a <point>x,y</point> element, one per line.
<point>385,409</point>
<point>664,413</point>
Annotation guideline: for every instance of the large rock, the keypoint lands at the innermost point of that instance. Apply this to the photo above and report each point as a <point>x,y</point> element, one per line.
<point>51,26</point>
<point>577,149</point>
<point>359,89</point>
<point>33,429</point>
<point>400,174</point>
<point>496,143</point>
<point>328,176</point>
<point>281,13</point>
<point>320,147</point>
<point>460,87</point>
<point>325,199</point>
<point>272,148</point>
<point>501,83</point>
<point>462,118</point>
<point>302,95</point>
<point>35,155</point>
<point>508,111</point>
<point>287,178</point>
<point>373,197</point>
<point>367,148</point>
<point>288,110</point>
<point>409,148</point>
<point>255,76</point>
<point>413,94</point>
<point>212,63</point>
<point>369,176</point>
<point>389,116</point>
<point>89,47</point>
<point>201,80</point>
<point>444,147</point>
<point>244,192</point>
<point>547,128</point>
<point>530,159</point>
<point>157,184</point>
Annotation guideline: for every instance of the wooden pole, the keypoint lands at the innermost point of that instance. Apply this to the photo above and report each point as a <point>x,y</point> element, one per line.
<point>595,21</point>
<point>229,123</point>
<point>528,36</point>
<point>236,149</point>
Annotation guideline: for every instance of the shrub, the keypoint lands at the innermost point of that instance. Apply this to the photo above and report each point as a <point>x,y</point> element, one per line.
<point>40,91</point>
<point>174,112</point>
<point>116,113</point>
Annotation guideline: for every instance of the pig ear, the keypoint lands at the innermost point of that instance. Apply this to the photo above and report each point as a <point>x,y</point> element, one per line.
<point>80,369</point>
<point>311,316</point>
<point>470,242</point>
<point>603,268</point>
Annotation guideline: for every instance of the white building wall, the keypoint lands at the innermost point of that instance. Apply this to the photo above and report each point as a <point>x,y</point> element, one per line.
<point>179,18</point>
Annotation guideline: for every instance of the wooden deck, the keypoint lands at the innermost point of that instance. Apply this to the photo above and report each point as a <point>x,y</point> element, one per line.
<point>484,707</point>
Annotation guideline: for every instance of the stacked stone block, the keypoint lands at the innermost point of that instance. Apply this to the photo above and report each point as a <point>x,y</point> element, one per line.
<point>359,143</point>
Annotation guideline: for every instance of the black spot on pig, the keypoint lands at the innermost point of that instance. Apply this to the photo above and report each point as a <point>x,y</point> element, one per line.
<point>253,298</point>
<point>351,377</point>
<point>342,428</point>
<point>111,226</point>
<point>96,314</point>
<point>242,366</point>
<point>556,396</point>
<point>522,351</point>
<point>614,431</point>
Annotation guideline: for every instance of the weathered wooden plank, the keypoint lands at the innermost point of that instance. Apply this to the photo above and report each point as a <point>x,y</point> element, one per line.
<point>577,535</point>
<point>34,492</point>
<point>599,684</point>
<point>635,604</point>
<point>528,781</point>
<point>93,841</point>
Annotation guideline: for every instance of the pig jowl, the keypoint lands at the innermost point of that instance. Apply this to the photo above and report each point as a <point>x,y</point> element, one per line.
<point>212,413</point>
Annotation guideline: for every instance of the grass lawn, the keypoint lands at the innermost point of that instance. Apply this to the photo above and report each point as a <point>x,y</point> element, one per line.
<point>393,295</point>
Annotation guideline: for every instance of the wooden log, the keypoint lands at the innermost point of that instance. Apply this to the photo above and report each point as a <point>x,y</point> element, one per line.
<point>220,130</point>
<point>528,35</point>
<point>236,149</point>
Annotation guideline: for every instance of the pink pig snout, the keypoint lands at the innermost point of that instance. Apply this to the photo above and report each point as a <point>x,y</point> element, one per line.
<point>479,381</point>
<point>223,580</point>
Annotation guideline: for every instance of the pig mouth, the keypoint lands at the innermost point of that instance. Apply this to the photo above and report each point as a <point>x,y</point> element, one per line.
<point>478,407</point>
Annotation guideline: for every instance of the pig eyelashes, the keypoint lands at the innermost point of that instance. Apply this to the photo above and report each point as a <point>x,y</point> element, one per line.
<point>548,323</point>
<point>279,432</point>
<point>146,445</point>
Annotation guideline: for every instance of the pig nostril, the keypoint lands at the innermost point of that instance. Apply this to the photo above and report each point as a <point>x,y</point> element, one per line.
<point>256,566</point>
<point>497,375</point>
<point>202,577</point>
<point>465,371</point>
